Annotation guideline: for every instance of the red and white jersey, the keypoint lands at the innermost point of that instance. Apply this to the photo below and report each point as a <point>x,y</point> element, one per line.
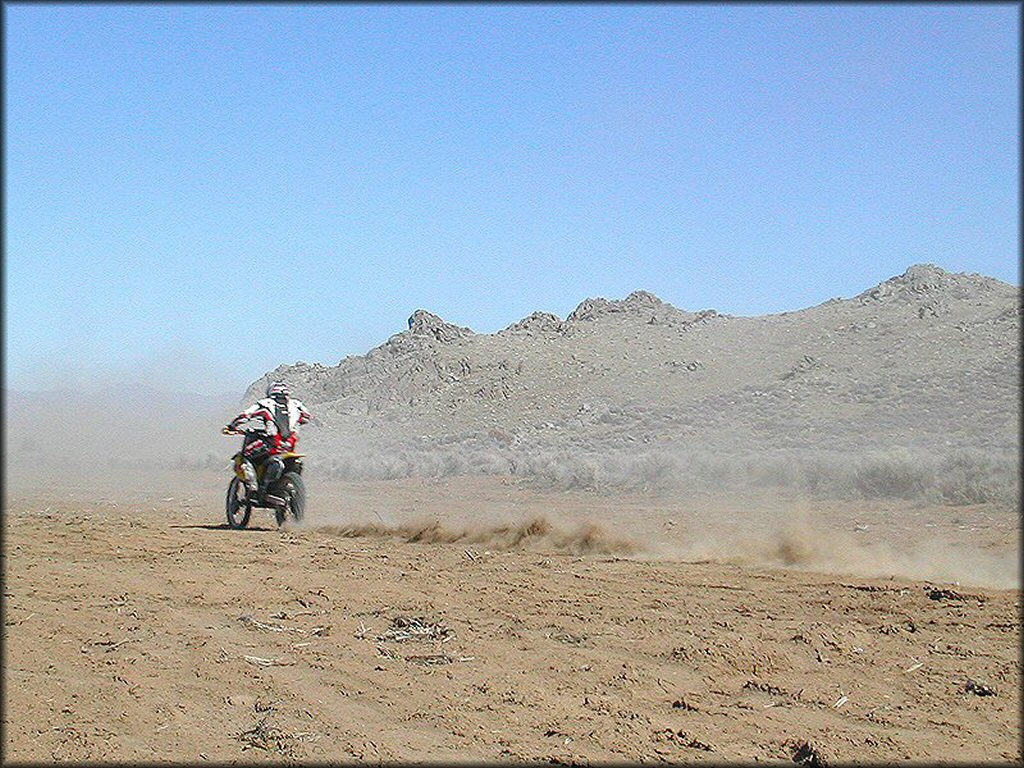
<point>280,420</point>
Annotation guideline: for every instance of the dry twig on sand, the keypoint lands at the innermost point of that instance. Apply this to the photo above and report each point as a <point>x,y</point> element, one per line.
<point>253,622</point>
<point>259,660</point>
<point>430,658</point>
<point>262,736</point>
<point>107,645</point>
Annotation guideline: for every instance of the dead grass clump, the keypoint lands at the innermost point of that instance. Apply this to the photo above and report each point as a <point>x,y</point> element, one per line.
<point>415,628</point>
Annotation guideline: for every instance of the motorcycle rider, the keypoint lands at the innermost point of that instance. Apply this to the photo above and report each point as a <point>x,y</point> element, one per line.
<point>281,416</point>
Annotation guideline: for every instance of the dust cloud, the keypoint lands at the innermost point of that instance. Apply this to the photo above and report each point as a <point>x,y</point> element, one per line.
<point>586,538</point>
<point>760,532</point>
<point>798,544</point>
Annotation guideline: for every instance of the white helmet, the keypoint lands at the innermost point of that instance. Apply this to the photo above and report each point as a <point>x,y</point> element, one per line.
<point>278,390</point>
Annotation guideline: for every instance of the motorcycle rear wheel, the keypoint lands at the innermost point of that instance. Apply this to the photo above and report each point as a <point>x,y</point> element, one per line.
<point>293,489</point>
<point>237,504</point>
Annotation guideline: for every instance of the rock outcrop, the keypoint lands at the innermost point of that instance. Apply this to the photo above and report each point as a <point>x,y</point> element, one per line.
<point>927,358</point>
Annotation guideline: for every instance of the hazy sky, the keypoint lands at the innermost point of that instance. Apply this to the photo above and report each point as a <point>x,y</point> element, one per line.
<point>205,192</point>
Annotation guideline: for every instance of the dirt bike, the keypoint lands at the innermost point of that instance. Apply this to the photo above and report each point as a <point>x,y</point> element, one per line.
<point>286,495</point>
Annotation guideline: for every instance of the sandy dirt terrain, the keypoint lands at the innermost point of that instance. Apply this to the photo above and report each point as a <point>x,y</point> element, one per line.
<point>483,619</point>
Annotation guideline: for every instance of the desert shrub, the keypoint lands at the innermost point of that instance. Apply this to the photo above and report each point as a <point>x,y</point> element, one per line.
<point>771,472</point>
<point>500,436</point>
<point>561,470</point>
<point>452,463</point>
<point>977,478</point>
<point>826,476</point>
<point>612,417</point>
<point>198,462</point>
<point>894,475</point>
<point>490,462</point>
<point>960,478</point>
<point>655,471</point>
<point>707,472</point>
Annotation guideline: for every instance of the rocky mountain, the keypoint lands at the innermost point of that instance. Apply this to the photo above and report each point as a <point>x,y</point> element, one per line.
<point>924,360</point>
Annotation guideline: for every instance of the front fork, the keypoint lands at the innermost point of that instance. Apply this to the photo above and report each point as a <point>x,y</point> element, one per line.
<point>247,474</point>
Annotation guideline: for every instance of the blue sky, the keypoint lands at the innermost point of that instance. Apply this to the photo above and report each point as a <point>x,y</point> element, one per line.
<point>204,192</point>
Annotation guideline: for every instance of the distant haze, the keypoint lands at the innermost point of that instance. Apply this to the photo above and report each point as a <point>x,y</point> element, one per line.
<point>172,368</point>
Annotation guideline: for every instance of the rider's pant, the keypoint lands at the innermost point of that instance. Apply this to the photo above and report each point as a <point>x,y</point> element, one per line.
<point>274,470</point>
<point>258,452</point>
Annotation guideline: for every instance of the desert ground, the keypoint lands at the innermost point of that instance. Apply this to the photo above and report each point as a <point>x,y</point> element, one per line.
<point>486,619</point>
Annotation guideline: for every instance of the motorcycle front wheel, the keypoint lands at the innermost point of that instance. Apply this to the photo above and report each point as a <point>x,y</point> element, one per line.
<point>293,489</point>
<point>238,506</point>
